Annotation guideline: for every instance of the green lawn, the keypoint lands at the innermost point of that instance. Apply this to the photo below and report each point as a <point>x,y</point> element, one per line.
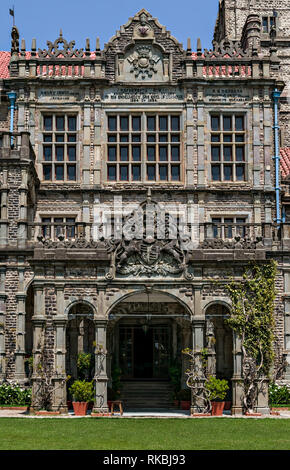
<point>147,434</point>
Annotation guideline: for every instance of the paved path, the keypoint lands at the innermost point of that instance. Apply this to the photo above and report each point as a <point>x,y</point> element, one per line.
<point>135,414</point>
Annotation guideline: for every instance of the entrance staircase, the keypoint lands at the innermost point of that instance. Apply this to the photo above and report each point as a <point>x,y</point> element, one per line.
<point>146,394</point>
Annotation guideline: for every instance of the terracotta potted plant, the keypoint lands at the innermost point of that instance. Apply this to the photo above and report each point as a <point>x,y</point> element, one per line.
<point>217,392</point>
<point>82,393</point>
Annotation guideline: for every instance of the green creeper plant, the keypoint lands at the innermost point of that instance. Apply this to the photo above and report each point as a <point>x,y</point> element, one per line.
<point>252,319</point>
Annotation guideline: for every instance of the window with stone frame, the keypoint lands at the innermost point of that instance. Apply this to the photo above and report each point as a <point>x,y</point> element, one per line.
<point>144,147</point>
<point>60,147</point>
<point>228,148</point>
<point>267,23</point>
<point>52,227</point>
<point>228,227</point>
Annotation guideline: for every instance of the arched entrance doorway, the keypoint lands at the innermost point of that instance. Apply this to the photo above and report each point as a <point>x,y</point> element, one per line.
<point>80,336</point>
<point>147,332</point>
<point>220,344</point>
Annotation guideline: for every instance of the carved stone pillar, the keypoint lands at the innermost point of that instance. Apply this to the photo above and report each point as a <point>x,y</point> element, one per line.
<point>198,336</point>
<point>237,398</point>
<point>59,401</point>
<point>210,345</point>
<point>38,321</point>
<point>101,378</point>
<point>20,374</point>
<point>2,334</point>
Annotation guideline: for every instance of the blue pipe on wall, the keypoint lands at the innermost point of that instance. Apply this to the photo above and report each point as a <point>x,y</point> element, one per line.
<point>276,127</point>
<point>12,98</point>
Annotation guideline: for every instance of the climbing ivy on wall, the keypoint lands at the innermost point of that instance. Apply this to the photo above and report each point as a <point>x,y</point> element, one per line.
<point>252,315</point>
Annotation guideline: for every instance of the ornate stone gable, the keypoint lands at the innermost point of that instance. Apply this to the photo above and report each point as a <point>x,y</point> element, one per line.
<point>143,50</point>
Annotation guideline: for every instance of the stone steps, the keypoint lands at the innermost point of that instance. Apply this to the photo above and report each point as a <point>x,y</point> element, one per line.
<point>146,394</point>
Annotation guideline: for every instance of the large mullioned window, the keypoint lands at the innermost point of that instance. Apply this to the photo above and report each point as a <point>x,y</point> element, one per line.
<point>228,159</point>
<point>144,147</point>
<point>59,158</point>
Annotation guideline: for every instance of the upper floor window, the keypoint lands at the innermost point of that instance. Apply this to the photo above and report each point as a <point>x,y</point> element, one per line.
<point>228,227</point>
<point>144,147</point>
<point>59,147</point>
<point>52,227</point>
<point>267,23</point>
<point>228,159</point>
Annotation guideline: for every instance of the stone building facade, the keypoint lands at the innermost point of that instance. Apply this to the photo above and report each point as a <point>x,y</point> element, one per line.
<point>180,141</point>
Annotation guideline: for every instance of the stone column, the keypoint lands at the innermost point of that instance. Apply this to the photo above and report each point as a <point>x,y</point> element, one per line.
<point>186,343</point>
<point>20,374</point>
<point>2,334</point>
<point>101,378</point>
<point>59,402</point>
<point>198,335</point>
<point>237,385</point>
<point>287,324</point>
<point>38,321</point>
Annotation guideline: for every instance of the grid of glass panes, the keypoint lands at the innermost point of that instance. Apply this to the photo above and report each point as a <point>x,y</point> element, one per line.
<point>163,158</point>
<point>59,147</point>
<point>267,23</point>
<point>228,227</point>
<point>125,149</point>
<point>228,160</point>
<point>52,227</point>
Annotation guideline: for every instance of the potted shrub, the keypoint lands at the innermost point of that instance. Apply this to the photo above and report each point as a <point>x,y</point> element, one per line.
<point>83,393</point>
<point>218,389</point>
<point>185,399</point>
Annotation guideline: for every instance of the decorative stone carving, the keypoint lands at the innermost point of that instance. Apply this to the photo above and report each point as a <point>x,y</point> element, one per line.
<point>15,40</point>
<point>237,244</point>
<point>226,47</point>
<point>143,62</point>
<point>143,29</point>
<point>54,51</point>
<point>128,308</point>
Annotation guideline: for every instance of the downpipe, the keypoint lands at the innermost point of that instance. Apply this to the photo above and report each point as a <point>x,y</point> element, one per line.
<point>12,98</point>
<point>276,127</point>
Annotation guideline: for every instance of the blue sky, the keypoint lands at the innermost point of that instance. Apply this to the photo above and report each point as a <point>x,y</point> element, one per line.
<point>80,19</point>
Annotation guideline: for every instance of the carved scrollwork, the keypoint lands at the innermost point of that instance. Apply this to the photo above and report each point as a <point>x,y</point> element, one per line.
<point>226,47</point>
<point>237,243</point>
<point>143,62</point>
<point>54,51</point>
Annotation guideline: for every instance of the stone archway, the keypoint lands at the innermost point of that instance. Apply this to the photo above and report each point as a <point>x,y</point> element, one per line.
<point>219,342</point>
<point>147,331</point>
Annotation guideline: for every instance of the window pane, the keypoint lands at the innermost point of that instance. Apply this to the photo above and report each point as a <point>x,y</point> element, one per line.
<point>112,123</point>
<point>47,152</point>
<point>175,153</point>
<point>215,153</point>
<point>227,123</point>
<point>47,138</point>
<point>112,138</point>
<point>240,154</point>
<point>136,138</point>
<point>136,153</point>
<point>70,229</point>
<point>136,123</point>
<point>239,123</point>
<point>151,125</point>
<point>136,172</point>
<point>163,172</point>
<point>227,138</point>
<point>239,138</point>
<point>71,172</point>
<point>151,172</point>
<point>124,172</point>
<point>240,173</point>
<point>215,123</point>
<point>72,138</point>
<point>228,172</point>
<point>175,173</point>
<point>124,154</point>
<point>175,123</point>
<point>151,138</point>
<point>163,153</point>
<point>215,138</point>
<point>151,153</point>
<point>60,123</point>
<point>59,150</point>
<point>124,138</point>
<point>124,123</point>
<point>112,172</point>
<point>112,154</point>
<point>163,125</point>
<point>227,153</point>
<point>216,172</point>
<point>163,138</point>
<point>59,172</point>
<point>47,122</point>
<point>47,172</point>
<point>72,123</point>
<point>175,138</point>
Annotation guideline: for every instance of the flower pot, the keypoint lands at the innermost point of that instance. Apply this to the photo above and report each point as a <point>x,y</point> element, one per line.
<point>185,405</point>
<point>80,408</point>
<point>228,405</point>
<point>217,408</point>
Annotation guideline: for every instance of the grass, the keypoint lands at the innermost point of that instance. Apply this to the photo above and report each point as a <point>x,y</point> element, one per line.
<point>144,434</point>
